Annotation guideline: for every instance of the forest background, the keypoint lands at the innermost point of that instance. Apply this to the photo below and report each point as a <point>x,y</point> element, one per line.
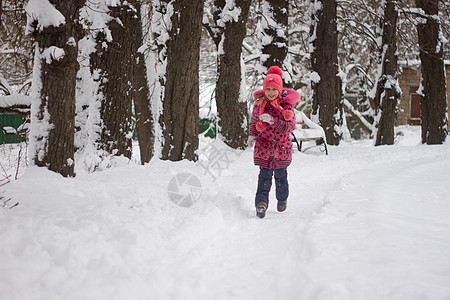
<point>98,73</point>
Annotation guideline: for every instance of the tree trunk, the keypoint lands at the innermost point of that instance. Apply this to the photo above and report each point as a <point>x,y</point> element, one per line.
<point>433,100</point>
<point>327,100</point>
<point>53,120</point>
<point>275,26</point>
<point>230,99</point>
<point>140,92</point>
<point>115,64</point>
<point>388,91</point>
<point>180,116</point>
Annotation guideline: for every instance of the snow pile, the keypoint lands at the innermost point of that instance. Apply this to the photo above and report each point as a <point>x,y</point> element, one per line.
<point>362,223</point>
<point>15,99</point>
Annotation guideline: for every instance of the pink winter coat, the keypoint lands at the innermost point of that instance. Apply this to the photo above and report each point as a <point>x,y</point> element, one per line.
<point>273,147</point>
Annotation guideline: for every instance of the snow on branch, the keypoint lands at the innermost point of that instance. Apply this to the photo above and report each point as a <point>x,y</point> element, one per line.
<point>5,203</point>
<point>4,85</point>
<point>14,100</point>
<point>365,125</point>
<point>229,13</point>
<point>53,54</point>
<point>96,16</point>
<point>362,28</point>
<point>42,14</point>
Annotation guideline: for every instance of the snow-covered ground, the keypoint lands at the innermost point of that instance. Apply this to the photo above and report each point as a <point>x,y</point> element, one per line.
<point>363,222</point>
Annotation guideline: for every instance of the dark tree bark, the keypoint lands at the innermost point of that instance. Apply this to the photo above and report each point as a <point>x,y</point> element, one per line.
<point>115,64</point>
<point>142,110</point>
<point>433,101</point>
<point>277,49</point>
<point>140,92</point>
<point>180,116</point>
<point>327,100</point>
<point>231,108</point>
<point>388,91</point>
<point>57,94</point>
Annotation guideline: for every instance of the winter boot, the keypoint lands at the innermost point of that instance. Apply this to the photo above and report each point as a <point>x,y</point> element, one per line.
<point>261,210</point>
<point>281,206</point>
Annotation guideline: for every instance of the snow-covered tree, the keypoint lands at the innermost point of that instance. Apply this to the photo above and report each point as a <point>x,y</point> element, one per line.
<point>433,99</point>
<point>54,25</point>
<point>273,36</point>
<point>228,30</point>
<point>111,61</point>
<point>178,32</point>
<point>139,84</point>
<point>358,55</point>
<point>298,44</point>
<point>326,83</point>
<point>16,48</point>
<point>117,67</point>
<point>387,87</point>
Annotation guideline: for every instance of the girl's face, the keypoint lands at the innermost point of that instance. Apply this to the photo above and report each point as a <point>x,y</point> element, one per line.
<point>271,93</point>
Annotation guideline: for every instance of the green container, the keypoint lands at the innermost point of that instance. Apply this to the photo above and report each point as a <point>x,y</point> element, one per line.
<point>208,127</point>
<point>14,121</point>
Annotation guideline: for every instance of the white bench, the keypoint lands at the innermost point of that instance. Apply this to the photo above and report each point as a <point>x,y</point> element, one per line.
<point>313,132</point>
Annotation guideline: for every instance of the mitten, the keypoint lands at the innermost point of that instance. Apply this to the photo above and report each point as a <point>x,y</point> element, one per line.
<point>267,118</point>
<point>251,141</point>
<point>288,115</point>
<point>261,126</point>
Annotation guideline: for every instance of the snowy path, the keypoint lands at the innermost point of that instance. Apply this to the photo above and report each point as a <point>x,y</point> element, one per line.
<point>384,234</point>
<point>362,223</point>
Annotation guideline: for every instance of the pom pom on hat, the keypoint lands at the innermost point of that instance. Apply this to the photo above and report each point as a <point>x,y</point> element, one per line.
<point>275,70</point>
<point>273,79</point>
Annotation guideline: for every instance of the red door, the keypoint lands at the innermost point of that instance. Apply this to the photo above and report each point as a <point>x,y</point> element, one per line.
<point>414,117</point>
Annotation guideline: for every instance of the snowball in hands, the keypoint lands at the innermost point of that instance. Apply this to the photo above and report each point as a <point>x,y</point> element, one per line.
<point>267,118</point>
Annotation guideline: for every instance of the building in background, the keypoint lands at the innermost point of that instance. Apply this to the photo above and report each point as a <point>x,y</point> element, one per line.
<point>409,80</point>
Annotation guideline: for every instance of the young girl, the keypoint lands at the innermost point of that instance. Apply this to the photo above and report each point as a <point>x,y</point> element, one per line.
<point>272,122</point>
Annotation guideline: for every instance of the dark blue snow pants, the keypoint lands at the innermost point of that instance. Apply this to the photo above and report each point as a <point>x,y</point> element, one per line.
<point>265,183</point>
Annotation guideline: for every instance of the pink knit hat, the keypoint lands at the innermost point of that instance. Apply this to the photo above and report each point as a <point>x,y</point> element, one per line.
<point>273,79</point>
